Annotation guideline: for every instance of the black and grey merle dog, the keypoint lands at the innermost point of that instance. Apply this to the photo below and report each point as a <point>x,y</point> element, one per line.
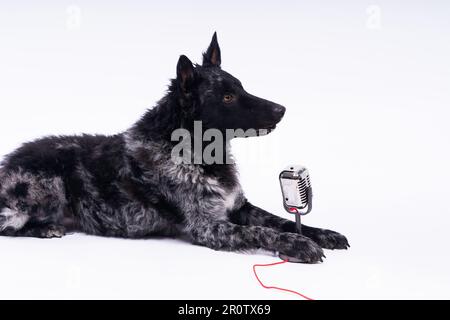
<point>128,185</point>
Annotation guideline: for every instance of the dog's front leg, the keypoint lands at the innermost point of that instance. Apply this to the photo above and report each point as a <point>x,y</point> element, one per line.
<point>251,215</point>
<point>222,235</point>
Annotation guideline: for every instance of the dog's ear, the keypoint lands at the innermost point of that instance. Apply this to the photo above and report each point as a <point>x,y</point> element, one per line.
<point>211,58</point>
<point>185,75</point>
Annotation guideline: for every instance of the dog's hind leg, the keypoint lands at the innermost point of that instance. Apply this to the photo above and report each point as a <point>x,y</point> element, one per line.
<point>31,205</point>
<point>17,224</point>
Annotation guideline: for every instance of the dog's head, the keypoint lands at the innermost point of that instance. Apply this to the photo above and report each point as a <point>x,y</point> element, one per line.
<point>218,99</point>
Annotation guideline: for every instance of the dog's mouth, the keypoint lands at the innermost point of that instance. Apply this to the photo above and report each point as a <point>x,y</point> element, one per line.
<point>266,130</point>
<point>270,128</point>
<point>256,132</point>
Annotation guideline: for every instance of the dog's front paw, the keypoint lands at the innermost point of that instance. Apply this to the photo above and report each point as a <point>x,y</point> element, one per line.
<point>328,239</point>
<point>297,248</point>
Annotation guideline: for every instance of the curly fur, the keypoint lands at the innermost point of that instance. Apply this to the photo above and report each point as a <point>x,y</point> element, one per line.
<point>129,185</point>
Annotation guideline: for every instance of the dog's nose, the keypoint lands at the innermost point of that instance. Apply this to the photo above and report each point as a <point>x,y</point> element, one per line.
<point>279,110</point>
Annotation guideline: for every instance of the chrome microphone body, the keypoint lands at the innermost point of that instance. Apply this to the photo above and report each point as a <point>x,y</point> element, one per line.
<point>297,192</point>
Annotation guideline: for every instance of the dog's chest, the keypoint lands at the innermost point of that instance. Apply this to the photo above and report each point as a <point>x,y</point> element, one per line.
<point>225,198</point>
<point>201,192</point>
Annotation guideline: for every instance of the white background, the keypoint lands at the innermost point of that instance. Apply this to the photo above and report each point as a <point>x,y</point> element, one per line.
<point>366,85</point>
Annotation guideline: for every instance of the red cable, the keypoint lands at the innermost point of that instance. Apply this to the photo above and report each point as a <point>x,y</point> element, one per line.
<point>276,288</point>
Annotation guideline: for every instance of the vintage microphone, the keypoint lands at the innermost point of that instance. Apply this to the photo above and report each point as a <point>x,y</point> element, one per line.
<point>297,195</point>
<point>297,192</point>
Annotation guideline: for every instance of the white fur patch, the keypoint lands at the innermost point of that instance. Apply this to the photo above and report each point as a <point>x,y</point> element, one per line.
<point>14,219</point>
<point>230,199</point>
<point>8,213</point>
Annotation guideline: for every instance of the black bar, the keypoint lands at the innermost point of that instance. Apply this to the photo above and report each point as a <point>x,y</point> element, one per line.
<point>279,309</point>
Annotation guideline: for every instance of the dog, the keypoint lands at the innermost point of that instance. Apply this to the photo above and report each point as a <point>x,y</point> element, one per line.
<point>129,184</point>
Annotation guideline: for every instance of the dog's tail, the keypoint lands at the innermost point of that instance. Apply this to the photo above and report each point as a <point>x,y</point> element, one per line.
<point>7,216</point>
<point>3,216</point>
<point>2,198</point>
<point>10,220</point>
<point>2,203</point>
<point>3,207</point>
<point>2,178</point>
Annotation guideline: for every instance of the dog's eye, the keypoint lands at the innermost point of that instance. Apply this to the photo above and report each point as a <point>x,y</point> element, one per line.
<point>228,98</point>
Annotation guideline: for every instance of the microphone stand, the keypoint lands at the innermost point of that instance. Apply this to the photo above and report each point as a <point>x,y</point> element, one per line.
<point>298,222</point>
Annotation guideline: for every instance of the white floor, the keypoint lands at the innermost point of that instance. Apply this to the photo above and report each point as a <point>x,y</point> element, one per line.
<point>367,94</point>
<point>80,267</point>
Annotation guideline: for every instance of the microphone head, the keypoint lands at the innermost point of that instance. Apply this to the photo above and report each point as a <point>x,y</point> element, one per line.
<point>296,189</point>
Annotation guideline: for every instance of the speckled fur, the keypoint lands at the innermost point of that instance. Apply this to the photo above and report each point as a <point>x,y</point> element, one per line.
<point>128,185</point>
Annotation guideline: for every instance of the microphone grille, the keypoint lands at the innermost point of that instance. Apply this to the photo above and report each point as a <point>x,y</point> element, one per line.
<point>302,186</point>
